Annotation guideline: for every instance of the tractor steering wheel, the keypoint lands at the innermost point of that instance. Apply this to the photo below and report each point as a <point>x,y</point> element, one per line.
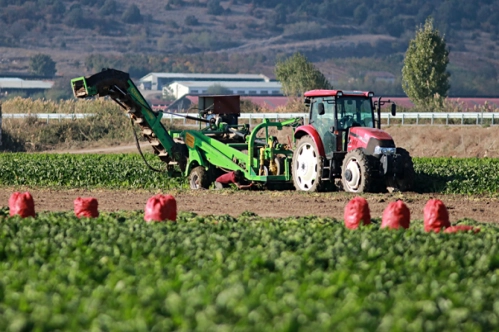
<point>348,121</point>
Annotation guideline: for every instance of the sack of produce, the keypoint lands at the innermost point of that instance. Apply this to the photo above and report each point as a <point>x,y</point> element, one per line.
<point>86,207</point>
<point>461,228</point>
<point>22,204</point>
<point>356,213</point>
<point>161,207</point>
<point>436,216</point>
<point>396,215</point>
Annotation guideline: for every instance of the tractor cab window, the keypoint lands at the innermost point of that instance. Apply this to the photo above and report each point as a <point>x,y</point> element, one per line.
<point>354,111</point>
<point>324,122</point>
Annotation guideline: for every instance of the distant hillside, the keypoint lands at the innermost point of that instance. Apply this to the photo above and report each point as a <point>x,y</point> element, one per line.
<point>346,39</point>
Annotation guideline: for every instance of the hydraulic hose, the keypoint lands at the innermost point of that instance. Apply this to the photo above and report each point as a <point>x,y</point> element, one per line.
<point>140,151</point>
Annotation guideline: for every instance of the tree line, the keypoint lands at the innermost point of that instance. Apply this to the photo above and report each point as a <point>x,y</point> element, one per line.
<point>392,17</point>
<point>424,75</point>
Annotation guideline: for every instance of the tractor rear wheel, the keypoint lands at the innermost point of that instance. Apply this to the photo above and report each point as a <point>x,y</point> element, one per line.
<point>199,178</point>
<point>405,182</point>
<point>307,166</point>
<point>356,172</point>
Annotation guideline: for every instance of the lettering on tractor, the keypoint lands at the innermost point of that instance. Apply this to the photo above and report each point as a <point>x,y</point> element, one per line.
<point>343,140</point>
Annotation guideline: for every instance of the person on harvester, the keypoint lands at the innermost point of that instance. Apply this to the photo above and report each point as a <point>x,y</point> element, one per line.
<point>235,177</point>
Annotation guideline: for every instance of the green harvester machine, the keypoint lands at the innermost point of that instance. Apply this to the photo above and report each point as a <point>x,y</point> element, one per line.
<point>217,146</point>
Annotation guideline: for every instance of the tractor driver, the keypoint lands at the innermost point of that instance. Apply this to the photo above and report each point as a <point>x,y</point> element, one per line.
<point>235,177</point>
<point>350,115</point>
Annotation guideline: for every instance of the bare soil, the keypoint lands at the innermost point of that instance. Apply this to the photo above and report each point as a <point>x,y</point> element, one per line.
<point>420,141</point>
<point>447,141</point>
<point>263,203</point>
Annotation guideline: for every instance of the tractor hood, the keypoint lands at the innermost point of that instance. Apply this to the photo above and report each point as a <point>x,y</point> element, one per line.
<point>365,133</point>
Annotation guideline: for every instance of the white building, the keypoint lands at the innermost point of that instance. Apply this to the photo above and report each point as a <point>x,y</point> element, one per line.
<point>179,89</point>
<point>7,83</point>
<point>156,81</point>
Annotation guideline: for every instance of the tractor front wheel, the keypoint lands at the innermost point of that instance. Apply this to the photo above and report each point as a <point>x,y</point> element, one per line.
<point>356,173</point>
<point>307,166</point>
<point>199,178</point>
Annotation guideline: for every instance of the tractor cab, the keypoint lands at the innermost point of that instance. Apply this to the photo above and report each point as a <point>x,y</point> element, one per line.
<point>343,140</point>
<point>334,113</point>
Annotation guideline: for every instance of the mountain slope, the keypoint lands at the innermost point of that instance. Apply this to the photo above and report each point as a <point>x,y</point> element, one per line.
<point>326,31</point>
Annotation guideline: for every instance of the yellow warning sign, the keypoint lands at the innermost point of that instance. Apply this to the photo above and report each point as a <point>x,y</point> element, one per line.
<point>189,140</point>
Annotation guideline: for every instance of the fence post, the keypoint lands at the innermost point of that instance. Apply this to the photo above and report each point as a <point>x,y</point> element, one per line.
<point>447,120</point>
<point>403,118</point>
<point>432,116</point>
<point>477,119</point>
<point>417,118</point>
<point>462,119</point>
<point>492,119</point>
<point>387,120</point>
<point>249,120</point>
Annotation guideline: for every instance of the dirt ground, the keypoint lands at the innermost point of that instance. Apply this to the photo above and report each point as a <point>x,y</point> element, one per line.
<point>420,141</point>
<point>263,203</point>
<point>447,141</point>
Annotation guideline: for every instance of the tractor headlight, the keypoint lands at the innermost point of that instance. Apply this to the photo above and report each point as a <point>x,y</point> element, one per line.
<point>385,151</point>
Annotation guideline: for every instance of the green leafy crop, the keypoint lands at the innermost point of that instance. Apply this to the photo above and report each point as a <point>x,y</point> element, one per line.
<point>457,175</point>
<point>128,171</point>
<point>98,170</point>
<point>118,273</point>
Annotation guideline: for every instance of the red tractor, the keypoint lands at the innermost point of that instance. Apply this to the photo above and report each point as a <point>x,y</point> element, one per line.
<point>343,140</point>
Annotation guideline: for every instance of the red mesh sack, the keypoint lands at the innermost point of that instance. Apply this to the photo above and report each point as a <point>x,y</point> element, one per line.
<point>396,215</point>
<point>161,207</point>
<point>357,212</point>
<point>86,207</point>
<point>22,204</point>
<point>461,228</point>
<point>436,216</point>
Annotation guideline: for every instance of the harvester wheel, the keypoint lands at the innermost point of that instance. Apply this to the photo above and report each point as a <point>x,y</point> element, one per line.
<point>199,178</point>
<point>356,172</point>
<point>406,181</point>
<point>307,166</point>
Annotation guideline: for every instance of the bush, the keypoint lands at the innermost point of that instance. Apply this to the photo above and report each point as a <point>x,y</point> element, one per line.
<point>132,15</point>
<point>191,20</point>
<point>32,134</point>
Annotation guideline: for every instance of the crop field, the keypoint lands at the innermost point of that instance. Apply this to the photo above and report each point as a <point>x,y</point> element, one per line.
<point>127,171</point>
<point>219,273</point>
<point>241,260</point>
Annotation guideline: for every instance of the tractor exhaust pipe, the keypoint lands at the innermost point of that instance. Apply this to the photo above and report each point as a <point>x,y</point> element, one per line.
<point>379,113</point>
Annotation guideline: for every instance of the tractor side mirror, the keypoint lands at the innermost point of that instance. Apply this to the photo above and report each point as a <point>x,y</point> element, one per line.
<point>321,108</point>
<point>394,109</point>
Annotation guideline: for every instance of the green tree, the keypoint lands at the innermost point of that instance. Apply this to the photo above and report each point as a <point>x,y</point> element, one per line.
<point>424,74</point>
<point>191,20</point>
<point>42,64</point>
<point>108,8</point>
<point>214,7</point>
<point>132,15</point>
<point>297,75</point>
